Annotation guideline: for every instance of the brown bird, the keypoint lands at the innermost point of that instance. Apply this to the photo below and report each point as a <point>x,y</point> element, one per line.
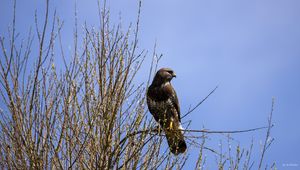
<point>164,106</point>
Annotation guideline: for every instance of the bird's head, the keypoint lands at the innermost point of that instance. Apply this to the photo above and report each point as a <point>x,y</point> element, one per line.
<point>163,75</point>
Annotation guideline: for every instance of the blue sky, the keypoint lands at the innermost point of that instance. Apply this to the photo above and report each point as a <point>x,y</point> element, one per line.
<point>249,48</point>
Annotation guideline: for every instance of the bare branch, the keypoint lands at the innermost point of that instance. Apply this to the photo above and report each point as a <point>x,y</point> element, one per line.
<point>191,110</point>
<point>267,143</point>
<point>158,131</point>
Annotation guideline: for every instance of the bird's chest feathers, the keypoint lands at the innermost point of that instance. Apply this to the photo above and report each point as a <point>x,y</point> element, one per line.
<point>163,92</point>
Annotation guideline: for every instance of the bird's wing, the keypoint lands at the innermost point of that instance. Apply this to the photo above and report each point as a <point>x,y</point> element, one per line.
<point>153,105</point>
<point>174,99</point>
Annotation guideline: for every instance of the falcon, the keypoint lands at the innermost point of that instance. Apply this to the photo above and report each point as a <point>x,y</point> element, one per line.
<point>163,104</point>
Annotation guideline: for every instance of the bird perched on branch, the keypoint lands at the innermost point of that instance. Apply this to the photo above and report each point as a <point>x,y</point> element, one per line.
<point>164,106</point>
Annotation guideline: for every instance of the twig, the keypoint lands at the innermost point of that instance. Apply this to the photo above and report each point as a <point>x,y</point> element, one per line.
<point>191,110</point>
<point>266,145</point>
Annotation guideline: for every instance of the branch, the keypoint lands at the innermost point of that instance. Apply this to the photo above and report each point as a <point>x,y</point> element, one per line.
<point>191,110</point>
<point>266,145</point>
<point>158,130</point>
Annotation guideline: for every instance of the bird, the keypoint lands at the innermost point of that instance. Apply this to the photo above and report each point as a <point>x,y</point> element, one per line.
<point>163,104</point>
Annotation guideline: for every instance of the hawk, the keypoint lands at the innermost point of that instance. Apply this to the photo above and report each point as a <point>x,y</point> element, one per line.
<point>163,104</point>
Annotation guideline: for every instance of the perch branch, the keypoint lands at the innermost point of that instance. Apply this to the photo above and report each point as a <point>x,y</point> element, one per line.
<point>157,130</point>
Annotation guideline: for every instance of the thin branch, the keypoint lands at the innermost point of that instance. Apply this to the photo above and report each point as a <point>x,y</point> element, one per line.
<point>266,143</point>
<point>191,110</point>
<point>158,130</point>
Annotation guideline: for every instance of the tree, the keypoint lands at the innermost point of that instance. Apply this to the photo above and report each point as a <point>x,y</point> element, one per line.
<point>88,114</point>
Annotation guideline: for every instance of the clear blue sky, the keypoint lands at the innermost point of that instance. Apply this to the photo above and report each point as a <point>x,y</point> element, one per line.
<point>251,49</point>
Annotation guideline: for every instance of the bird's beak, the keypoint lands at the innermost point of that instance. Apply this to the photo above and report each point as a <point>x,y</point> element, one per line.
<point>174,75</point>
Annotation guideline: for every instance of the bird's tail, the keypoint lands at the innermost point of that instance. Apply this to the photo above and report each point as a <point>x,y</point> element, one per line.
<point>176,141</point>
